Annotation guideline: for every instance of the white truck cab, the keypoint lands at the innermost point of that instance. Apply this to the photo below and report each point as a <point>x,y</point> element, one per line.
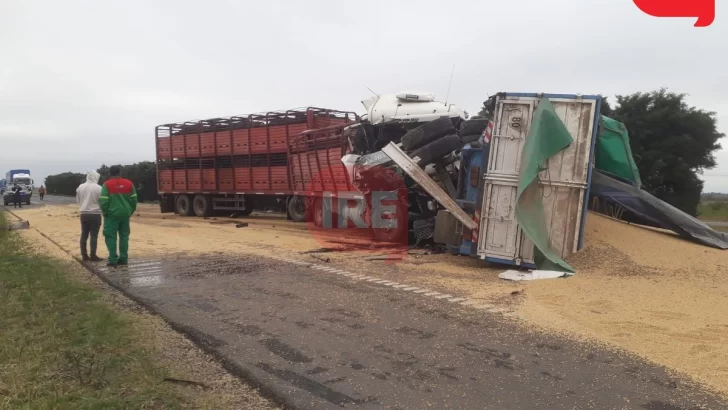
<point>408,107</point>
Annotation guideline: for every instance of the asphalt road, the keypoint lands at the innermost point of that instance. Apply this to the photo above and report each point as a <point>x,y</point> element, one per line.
<point>53,200</point>
<point>315,338</point>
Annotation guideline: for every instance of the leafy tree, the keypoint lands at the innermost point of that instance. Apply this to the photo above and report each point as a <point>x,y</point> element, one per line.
<point>486,111</point>
<point>672,143</point>
<point>65,183</point>
<point>140,173</point>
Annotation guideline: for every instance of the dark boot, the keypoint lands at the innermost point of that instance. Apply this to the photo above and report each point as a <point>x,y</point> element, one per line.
<point>85,258</point>
<point>95,258</point>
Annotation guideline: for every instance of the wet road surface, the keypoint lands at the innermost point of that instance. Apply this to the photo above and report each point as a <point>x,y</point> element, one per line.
<point>314,338</point>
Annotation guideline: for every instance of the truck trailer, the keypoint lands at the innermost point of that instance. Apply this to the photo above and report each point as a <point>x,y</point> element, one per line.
<point>229,164</point>
<point>310,160</point>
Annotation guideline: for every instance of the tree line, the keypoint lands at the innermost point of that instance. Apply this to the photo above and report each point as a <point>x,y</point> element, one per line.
<point>142,174</point>
<point>672,143</point>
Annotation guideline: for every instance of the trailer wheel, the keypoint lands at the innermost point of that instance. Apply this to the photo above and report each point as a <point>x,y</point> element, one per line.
<point>473,127</point>
<point>427,133</point>
<point>437,149</point>
<point>183,204</point>
<point>202,206</point>
<point>297,209</point>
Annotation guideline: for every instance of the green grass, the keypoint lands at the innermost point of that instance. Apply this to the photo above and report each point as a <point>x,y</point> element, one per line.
<point>713,211</point>
<point>63,347</point>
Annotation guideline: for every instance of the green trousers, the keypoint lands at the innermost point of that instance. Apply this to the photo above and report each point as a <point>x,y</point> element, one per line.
<point>112,228</point>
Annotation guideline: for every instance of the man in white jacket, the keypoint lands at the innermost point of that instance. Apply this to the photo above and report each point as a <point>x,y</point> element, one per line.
<point>87,196</point>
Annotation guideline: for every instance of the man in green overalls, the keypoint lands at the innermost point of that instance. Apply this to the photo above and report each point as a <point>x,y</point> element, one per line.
<point>118,202</point>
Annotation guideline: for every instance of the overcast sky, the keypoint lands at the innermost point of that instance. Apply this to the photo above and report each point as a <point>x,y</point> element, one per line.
<point>85,82</point>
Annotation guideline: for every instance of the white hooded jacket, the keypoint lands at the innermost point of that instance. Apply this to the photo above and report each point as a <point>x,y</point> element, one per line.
<point>88,193</point>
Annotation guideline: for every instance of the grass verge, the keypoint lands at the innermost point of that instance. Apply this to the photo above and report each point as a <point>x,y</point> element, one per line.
<point>713,211</point>
<point>62,346</point>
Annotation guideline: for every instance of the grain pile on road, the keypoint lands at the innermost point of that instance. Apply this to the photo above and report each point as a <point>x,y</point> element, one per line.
<point>647,291</point>
<point>643,290</point>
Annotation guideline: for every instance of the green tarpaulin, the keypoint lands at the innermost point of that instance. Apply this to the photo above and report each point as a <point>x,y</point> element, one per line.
<point>613,155</point>
<point>548,136</point>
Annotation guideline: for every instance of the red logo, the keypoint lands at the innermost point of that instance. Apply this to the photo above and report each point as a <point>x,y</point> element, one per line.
<point>704,10</point>
<point>373,218</point>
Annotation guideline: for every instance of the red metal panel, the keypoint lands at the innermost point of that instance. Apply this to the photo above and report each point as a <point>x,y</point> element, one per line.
<point>164,147</point>
<point>179,180</point>
<point>165,180</point>
<point>240,141</point>
<point>207,141</point>
<point>284,159</point>
<point>178,146</point>
<point>225,179</point>
<point>242,180</point>
<point>208,179</point>
<point>222,142</point>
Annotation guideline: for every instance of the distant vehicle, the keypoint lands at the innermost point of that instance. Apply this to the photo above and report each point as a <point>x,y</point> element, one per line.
<point>20,177</point>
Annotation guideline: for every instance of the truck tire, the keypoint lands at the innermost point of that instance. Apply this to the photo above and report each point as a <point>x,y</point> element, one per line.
<point>183,205</point>
<point>427,133</point>
<point>473,127</point>
<point>202,206</point>
<point>297,209</point>
<point>437,149</point>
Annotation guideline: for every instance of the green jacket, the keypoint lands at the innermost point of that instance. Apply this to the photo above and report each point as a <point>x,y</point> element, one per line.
<point>118,198</point>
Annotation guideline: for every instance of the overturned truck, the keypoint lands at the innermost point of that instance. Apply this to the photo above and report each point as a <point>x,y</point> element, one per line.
<point>299,159</point>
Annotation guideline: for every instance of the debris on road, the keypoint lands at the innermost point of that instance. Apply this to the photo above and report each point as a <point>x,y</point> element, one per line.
<point>242,225</point>
<point>320,250</point>
<point>19,225</point>
<point>518,276</point>
<point>383,258</point>
<point>419,252</point>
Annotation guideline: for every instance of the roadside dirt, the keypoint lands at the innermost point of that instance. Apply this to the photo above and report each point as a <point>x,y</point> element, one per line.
<point>638,289</point>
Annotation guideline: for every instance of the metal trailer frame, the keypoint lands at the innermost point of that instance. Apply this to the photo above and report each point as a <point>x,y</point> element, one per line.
<point>481,184</point>
<point>225,127</point>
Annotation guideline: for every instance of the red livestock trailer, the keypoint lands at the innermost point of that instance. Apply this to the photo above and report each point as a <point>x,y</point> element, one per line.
<point>231,163</point>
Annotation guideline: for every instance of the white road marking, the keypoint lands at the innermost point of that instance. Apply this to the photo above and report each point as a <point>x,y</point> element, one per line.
<point>414,289</point>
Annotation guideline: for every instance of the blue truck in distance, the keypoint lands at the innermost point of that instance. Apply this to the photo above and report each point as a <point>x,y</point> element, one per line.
<point>22,178</point>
